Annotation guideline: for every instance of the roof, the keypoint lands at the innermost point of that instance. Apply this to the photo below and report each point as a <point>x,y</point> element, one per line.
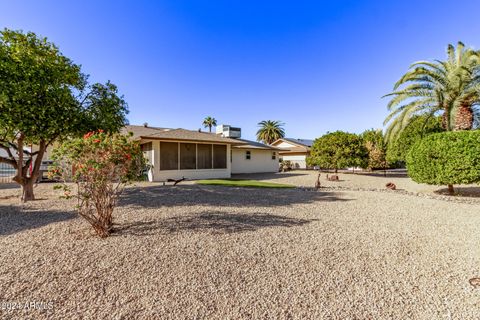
<point>295,150</point>
<point>300,145</point>
<point>188,135</point>
<point>255,145</point>
<point>139,131</point>
<point>303,142</point>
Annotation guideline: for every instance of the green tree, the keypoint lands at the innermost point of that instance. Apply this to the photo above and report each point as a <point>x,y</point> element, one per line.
<point>419,127</point>
<point>42,100</point>
<point>376,147</point>
<point>446,158</point>
<point>448,88</point>
<point>338,150</point>
<point>209,122</point>
<point>270,131</point>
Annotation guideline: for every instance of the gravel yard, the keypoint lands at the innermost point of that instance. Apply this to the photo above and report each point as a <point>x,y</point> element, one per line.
<point>206,252</point>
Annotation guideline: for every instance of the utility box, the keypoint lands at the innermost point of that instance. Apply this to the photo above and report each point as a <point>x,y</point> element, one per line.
<point>228,131</point>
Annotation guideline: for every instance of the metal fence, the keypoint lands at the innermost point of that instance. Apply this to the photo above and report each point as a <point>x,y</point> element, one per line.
<point>6,173</point>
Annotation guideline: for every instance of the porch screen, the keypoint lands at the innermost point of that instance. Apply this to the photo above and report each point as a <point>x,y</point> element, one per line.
<point>187,156</point>
<point>204,158</point>
<point>219,156</point>
<point>168,156</point>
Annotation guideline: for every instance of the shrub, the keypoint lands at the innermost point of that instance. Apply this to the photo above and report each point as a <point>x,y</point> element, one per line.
<point>446,158</point>
<point>420,127</point>
<point>100,165</point>
<point>286,165</point>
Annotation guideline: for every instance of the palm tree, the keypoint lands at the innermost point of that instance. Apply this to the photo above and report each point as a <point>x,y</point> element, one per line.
<point>209,122</point>
<point>270,131</point>
<point>448,88</point>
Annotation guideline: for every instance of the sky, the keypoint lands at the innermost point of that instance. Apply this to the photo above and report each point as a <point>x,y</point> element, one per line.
<point>317,66</point>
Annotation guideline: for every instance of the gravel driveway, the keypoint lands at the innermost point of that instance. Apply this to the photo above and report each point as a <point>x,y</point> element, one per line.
<point>205,252</point>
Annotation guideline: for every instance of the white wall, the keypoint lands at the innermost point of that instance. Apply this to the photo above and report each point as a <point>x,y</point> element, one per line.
<point>260,161</point>
<point>193,174</point>
<point>299,161</point>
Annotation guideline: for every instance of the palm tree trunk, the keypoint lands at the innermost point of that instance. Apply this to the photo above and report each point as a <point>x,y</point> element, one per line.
<point>464,118</point>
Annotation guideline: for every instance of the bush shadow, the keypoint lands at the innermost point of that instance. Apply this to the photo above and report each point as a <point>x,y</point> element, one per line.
<point>472,192</point>
<point>14,219</point>
<point>216,222</point>
<point>220,196</point>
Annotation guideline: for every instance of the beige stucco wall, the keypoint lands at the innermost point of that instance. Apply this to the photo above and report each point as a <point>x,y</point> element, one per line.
<point>299,161</point>
<point>260,161</point>
<point>193,174</point>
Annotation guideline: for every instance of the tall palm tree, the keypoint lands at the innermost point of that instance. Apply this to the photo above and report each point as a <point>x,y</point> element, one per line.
<point>270,131</point>
<point>449,88</point>
<point>209,122</point>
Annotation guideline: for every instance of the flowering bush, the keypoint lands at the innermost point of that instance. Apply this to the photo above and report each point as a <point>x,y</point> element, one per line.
<point>100,165</point>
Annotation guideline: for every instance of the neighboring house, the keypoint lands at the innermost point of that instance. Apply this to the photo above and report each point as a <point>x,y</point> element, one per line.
<point>294,150</point>
<point>254,157</point>
<point>177,153</point>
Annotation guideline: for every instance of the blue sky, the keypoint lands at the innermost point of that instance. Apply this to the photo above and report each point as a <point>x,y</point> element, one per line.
<point>317,66</point>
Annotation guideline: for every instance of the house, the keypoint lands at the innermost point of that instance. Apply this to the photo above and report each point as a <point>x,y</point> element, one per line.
<point>177,153</point>
<point>294,150</point>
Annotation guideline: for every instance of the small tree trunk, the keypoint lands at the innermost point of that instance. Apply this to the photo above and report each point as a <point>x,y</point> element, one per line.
<point>336,170</point>
<point>450,189</point>
<point>27,190</point>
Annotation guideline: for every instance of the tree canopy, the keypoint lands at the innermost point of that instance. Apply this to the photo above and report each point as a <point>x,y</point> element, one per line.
<point>44,96</point>
<point>270,131</point>
<point>448,88</point>
<point>376,147</point>
<point>338,150</point>
<point>209,122</point>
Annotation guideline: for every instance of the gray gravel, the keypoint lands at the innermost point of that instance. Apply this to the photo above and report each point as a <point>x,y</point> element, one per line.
<point>201,252</point>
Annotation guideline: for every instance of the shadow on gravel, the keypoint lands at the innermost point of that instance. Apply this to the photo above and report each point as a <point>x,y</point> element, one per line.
<point>13,219</point>
<point>216,222</point>
<point>473,192</point>
<point>187,195</point>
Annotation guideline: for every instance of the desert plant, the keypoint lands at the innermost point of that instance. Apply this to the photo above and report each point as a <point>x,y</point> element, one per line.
<point>270,131</point>
<point>100,165</point>
<point>286,165</point>
<point>446,158</point>
<point>447,88</point>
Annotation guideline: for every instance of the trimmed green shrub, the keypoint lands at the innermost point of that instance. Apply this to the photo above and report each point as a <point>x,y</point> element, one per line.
<point>446,158</point>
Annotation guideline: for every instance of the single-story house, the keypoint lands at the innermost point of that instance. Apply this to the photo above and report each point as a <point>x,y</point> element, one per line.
<point>177,153</point>
<point>294,150</point>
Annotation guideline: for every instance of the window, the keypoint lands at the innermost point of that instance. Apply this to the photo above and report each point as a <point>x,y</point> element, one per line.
<point>188,156</point>
<point>204,156</point>
<point>168,156</point>
<point>248,155</point>
<point>146,147</point>
<point>274,155</point>
<point>219,156</point>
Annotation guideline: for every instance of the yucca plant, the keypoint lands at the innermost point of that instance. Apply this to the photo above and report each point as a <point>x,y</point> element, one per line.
<point>270,131</point>
<point>448,88</point>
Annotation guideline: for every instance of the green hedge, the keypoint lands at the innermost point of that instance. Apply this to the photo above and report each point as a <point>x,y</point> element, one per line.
<point>446,158</point>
